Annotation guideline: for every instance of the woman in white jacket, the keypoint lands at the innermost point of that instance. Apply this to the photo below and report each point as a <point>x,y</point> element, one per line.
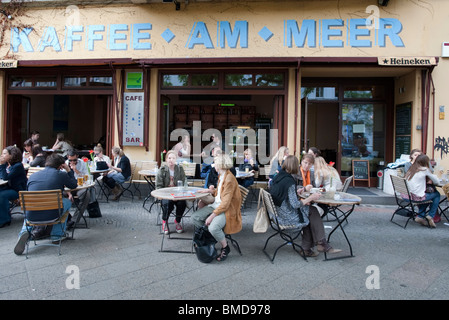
<point>418,176</point>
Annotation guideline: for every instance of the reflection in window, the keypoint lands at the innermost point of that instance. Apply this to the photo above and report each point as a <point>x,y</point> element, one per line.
<point>74,81</point>
<point>320,93</point>
<point>46,82</point>
<point>100,81</point>
<point>175,80</point>
<point>204,80</point>
<point>238,80</point>
<point>19,82</point>
<point>364,92</point>
<point>270,80</point>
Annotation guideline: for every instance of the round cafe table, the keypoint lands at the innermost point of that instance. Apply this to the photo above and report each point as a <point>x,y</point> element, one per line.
<point>174,194</point>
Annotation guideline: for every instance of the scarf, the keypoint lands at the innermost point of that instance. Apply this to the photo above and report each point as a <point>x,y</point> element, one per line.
<point>305,177</point>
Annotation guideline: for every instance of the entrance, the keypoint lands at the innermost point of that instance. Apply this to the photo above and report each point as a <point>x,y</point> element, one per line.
<point>346,120</point>
<point>82,118</point>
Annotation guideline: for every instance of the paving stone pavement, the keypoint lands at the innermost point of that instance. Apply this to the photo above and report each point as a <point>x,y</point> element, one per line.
<point>118,258</point>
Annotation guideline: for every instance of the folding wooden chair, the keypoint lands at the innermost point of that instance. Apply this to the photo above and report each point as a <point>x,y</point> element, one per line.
<point>288,233</point>
<point>139,179</point>
<point>346,184</point>
<point>446,198</point>
<point>42,201</point>
<point>406,206</point>
<point>126,186</point>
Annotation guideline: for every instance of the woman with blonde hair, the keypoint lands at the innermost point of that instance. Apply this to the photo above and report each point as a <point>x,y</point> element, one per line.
<point>223,216</point>
<point>324,173</point>
<point>276,161</point>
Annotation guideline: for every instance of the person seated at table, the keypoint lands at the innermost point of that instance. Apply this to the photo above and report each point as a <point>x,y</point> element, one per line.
<point>99,156</point>
<point>277,160</point>
<point>168,176</point>
<point>314,151</point>
<point>39,156</point>
<point>62,144</point>
<point>27,157</point>
<point>223,216</point>
<point>35,136</point>
<point>413,155</point>
<point>56,175</point>
<point>313,234</point>
<point>418,178</point>
<point>182,149</point>
<point>11,170</point>
<point>120,172</point>
<point>325,175</point>
<point>207,167</point>
<point>249,164</point>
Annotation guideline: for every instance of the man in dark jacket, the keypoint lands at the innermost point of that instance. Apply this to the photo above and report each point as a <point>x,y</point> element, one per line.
<point>56,175</point>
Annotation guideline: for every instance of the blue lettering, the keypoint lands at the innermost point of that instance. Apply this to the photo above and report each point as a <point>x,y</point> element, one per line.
<point>49,39</point>
<point>390,27</point>
<point>138,36</point>
<point>308,31</point>
<point>355,33</point>
<point>92,37</point>
<point>225,32</point>
<point>199,35</point>
<point>70,36</point>
<point>114,36</point>
<point>329,32</point>
<point>21,38</point>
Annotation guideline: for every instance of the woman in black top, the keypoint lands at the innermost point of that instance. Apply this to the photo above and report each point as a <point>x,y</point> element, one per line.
<point>121,171</point>
<point>39,157</point>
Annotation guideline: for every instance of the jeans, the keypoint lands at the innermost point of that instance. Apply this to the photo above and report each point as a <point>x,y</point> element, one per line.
<point>5,196</point>
<point>435,197</point>
<point>58,230</point>
<point>168,206</point>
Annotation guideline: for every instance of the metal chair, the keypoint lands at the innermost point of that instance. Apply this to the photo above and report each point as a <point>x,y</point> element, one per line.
<point>445,198</point>
<point>406,206</point>
<point>126,186</point>
<point>139,179</point>
<point>346,184</point>
<point>288,233</point>
<point>42,201</point>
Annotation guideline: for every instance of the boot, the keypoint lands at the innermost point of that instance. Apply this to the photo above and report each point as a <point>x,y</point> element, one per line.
<point>117,192</point>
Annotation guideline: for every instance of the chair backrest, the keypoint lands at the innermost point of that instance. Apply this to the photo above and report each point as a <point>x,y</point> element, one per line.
<point>244,192</point>
<point>143,165</point>
<point>32,170</point>
<point>446,190</point>
<point>41,200</point>
<point>400,187</point>
<point>189,169</point>
<point>133,171</point>
<point>269,205</point>
<point>346,184</point>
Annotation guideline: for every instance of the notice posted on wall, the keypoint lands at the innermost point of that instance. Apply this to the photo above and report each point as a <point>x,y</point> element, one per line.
<point>133,119</point>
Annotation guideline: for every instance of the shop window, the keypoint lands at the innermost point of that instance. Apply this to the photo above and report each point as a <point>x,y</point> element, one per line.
<point>46,82</point>
<point>21,82</point>
<point>269,80</point>
<point>75,81</point>
<point>364,92</point>
<point>320,93</point>
<point>100,81</point>
<point>175,80</point>
<point>238,80</point>
<point>204,80</point>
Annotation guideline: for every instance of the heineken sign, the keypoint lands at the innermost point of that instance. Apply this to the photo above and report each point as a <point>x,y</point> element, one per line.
<point>406,61</point>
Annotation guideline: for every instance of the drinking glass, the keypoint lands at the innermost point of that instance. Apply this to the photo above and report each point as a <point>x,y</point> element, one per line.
<point>80,181</point>
<point>180,185</point>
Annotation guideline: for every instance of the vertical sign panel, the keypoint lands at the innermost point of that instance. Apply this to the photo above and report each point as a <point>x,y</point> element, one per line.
<point>133,119</point>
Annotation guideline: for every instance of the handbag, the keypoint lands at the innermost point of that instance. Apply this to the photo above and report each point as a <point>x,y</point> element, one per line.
<point>94,210</point>
<point>430,188</point>
<point>102,165</point>
<point>261,222</point>
<point>204,244</point>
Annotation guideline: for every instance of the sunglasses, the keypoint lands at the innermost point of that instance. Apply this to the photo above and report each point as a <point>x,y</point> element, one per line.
<point>74,160</point>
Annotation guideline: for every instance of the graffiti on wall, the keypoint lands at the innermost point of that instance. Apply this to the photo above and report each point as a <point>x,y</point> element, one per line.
<point>442,145</point>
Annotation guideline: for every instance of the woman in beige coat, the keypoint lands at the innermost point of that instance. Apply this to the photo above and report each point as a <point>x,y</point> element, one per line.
<point>223,216</point>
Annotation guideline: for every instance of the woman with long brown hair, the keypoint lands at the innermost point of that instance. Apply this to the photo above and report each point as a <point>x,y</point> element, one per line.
<point>418,177</point>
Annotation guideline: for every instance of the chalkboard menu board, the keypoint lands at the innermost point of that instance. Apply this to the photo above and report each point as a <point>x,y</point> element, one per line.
<point>403,121</point>
<point>360,171</point>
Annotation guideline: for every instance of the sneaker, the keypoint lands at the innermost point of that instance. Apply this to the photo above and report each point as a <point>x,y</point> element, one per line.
<point>437,218</point>
<point>164,227</point>
<point>178,227</point>
<point>431,222</point>
<point>21,243</point>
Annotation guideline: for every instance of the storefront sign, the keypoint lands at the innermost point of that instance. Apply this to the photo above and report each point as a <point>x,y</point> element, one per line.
<point>7,64</point>
<point>133,119</point>
<point>134,80</point>
<point>406,61</point>
<point>307,33</point>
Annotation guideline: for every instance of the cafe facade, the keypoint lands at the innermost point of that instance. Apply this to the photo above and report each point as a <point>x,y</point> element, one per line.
<point>357,79</point>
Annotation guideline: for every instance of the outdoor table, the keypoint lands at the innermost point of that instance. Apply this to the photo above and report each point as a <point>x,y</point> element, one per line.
<point>176,194</point>
<point>345,199</point>
<point>149,175</point>
<point>96,173</point>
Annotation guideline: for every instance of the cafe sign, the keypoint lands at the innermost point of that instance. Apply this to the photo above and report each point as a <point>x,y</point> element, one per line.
<point>8,64</point>
<point>406,61</point>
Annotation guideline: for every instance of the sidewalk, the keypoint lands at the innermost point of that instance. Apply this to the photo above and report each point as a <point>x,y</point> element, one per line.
<point>118,258</point>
